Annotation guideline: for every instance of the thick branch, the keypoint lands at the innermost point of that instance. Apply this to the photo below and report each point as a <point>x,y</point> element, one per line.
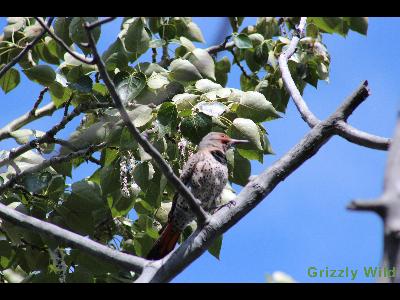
<point>27,47</point>
<point>49,135</point>
<point>392,174</point>
<point>62,43</point>
<point>149,148</point>
<point>298,100</point>
<point>250,196</point>
<point>26,118</point>
<point>49,162</point>
<point>342,128</point>
<point>125,261</point>
<point>361,138</point>
<point>388,207</point>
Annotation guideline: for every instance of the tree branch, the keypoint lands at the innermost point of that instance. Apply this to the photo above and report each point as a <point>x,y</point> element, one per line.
<point>125,261</point>
<point>361,138</point>
<point>342,128</point>
<point>298,100</point>
<point>49,135</point>
<point>250,196</point>
<point>49,162</point>
<point>201,215</point>
<point>100,22</point>
<point>26,118</point>
<point>38,101</point>
<point>27,47</point>
<point>388,207</point>
<point>219,48</point>
<point>62,43</point>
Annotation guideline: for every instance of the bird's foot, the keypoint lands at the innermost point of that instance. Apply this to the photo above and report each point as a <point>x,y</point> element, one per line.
<point>229,205</point>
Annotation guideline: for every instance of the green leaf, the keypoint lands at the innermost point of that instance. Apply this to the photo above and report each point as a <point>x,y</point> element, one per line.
<point>78,34</point>
<point>268,27</point>
<point>109,178</point>
<point>184,71</point>
<point>251,62</point>
<point>248,84</point>
<point>242,41</point>
<point>84,202</point>
<point>185,101</point>
<point>193,33</point>
<point>116,56</point>
<point>222,67</point>
<point>215,247</point>
<point>278,96</point>
<point>130,87</point>
<point>35,183</point>
<point>84,84</point>
<point>167,31</point>
<point>167,113</point>
<point>206,85</point>
<point>137,38</point>
<point>196,127</point>
<point>246,129</point>
<point>44,53</point>
<point>127,142</point>
<point>22,136</point>
<point>331,24</point>
<point>141,115</point>
<point>10,80</point>
<point>41,74</point>
<point>203,61</point>
<point>254,106</point>
<point>359,24</point>
<point>59,94</point>
<point>239,168</point>
<point>61,29</point>
<point>142,175</point>
<point>213,109</point>
<point>157,81</point>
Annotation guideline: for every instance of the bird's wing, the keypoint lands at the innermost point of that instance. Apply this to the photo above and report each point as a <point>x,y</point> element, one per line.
<point>186,174</point>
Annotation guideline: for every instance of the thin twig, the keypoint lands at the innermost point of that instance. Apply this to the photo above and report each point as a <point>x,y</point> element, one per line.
<point>38,101</point>
<point>27,47</point>
<point>239,64</point>
<point>194,203</point>
<point>342,128</point>
<point>100,22</point>
<point>67,104</point>
<point>62,43</point>
<point>49,135</point>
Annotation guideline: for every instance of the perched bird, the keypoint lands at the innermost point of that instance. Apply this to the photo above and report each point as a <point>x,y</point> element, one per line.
<point>205,174</point>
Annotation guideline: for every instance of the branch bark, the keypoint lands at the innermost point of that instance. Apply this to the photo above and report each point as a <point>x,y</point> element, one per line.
<point>49,135</point>
<point>388,208</point>
<point>125,261</point>
<point>26,118</point>
<point>250,196</point>
<point>342,128</point>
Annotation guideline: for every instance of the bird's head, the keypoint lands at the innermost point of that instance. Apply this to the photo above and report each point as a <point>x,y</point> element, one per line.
<point>218,141</point>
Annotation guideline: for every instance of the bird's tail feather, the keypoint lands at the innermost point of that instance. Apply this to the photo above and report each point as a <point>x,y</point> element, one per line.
<point>165,243</point>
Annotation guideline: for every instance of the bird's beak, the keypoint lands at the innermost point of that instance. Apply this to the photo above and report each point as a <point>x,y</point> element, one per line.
<point>235,142</point>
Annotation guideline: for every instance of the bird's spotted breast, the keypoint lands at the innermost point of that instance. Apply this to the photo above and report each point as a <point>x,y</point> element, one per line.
<point>208,179</point>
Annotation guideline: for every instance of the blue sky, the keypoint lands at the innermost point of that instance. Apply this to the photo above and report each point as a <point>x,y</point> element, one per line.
<point>303,222</point>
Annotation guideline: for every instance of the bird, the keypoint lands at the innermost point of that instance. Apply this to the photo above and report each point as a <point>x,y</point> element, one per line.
<point>205,174</point>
